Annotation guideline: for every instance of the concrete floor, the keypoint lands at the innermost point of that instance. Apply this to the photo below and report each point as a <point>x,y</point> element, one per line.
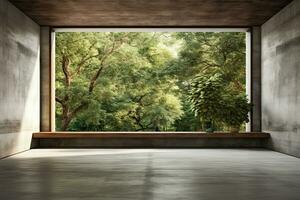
<point>144,174</point>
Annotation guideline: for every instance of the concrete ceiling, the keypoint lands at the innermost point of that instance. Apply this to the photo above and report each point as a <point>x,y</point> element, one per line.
<point>226,13</point>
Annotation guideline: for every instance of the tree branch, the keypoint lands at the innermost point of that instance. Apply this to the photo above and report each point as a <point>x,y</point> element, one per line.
<point>59,100</point>
<point>85,59</point>
<point>66,69</point>
<point>77,109</point>
<point>102,66</point>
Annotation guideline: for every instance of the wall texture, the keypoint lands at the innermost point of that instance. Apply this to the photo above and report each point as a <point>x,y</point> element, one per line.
<point>19,79</point>
<point>281,79</point>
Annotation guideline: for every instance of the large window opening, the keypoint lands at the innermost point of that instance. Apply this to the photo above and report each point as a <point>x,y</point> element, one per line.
<point>150,79</point>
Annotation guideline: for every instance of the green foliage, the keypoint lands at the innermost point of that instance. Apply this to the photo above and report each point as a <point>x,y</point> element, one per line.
<point>216,105</point>
<point>187,121</point>
<point>110,81</point>
<point>236,110</point>
<point>206,96</point>
<point>121,81</point>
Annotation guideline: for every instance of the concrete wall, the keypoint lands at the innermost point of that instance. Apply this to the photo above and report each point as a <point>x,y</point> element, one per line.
<point>281,79</point>
<point>19,79</point>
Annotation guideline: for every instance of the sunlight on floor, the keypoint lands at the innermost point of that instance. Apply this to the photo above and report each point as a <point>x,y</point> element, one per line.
<point>46,153</point>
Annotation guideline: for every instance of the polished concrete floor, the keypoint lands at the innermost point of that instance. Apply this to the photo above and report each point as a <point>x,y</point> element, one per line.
<point>144,174</point>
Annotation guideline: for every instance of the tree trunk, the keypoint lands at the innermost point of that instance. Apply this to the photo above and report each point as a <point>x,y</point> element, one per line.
<point>66,119</point>
<point>198,123</point>
<point>65,123</point>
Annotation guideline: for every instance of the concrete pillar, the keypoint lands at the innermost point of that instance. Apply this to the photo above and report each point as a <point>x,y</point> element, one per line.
<point>45,78</point>
<point>256,79</point>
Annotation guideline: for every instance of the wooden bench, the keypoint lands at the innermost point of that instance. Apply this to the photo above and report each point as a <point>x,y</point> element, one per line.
<point>149,140</point>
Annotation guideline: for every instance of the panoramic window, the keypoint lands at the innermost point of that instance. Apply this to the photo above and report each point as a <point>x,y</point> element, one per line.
<point>150,81</point>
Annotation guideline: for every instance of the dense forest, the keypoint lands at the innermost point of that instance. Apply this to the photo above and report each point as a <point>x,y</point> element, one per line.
<point>141,81</point>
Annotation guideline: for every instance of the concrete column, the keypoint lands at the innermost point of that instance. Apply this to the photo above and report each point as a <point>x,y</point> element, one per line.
<point>256,79</point>
<point>45,122</point>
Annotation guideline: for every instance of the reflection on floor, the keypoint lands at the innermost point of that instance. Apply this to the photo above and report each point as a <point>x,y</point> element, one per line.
<point>144,174</point>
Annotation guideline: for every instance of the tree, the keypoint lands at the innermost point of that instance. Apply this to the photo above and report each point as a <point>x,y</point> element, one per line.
<point>112,75</point>
<point>205,53</point>
<point>125,81</point>
<point>206,97</point>
<point>85,56</point>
